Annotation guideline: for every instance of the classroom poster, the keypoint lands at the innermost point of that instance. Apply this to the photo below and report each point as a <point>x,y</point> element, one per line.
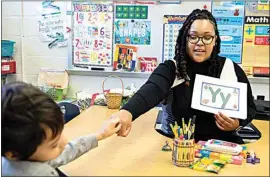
<point>263,5</point>
<point>51,24</point>
<point>93,29</point>
<point>171,27</point>
<point>230,20</point>
<point>256,37</point>
<point>147,64</point>
<point>131,12</point>
<point>257,8</point>
<point>124,57</point>
<point>133,32</point>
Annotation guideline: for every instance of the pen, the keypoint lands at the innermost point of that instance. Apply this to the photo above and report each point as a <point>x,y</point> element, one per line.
<point>193,120</point>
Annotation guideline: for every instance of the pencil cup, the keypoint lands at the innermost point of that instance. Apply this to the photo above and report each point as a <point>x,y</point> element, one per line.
<point>183,152</point>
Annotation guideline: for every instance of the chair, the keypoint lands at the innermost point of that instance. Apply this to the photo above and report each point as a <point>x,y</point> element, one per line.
<point>70,110</point>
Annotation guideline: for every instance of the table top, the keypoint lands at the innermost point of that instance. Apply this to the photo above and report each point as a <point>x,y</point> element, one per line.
<point>139,154</point>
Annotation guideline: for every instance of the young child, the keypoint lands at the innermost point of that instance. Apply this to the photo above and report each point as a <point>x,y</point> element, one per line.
<point>32,139</point>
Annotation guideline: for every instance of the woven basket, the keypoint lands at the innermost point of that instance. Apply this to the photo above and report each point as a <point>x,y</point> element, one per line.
<point>113,99</point>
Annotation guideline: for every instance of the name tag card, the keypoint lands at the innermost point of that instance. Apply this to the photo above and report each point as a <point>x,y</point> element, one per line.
<point>215,95</point>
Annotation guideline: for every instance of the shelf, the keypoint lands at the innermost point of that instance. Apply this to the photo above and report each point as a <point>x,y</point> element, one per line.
<point>258,80</point>
<point>84,72</point>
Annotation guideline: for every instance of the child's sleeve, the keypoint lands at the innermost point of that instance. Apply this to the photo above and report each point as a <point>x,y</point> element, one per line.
<point>75,149</point>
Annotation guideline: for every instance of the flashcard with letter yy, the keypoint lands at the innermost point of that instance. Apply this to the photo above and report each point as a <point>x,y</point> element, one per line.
<point>215,95</point>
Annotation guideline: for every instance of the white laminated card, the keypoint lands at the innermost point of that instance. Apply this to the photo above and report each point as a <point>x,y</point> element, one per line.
<point>215,95</point>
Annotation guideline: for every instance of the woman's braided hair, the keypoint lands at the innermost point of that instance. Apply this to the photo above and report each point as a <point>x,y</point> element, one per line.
<point>181,56</point>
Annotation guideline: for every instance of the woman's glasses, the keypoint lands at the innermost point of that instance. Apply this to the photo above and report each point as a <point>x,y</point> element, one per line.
<point>206,40</point>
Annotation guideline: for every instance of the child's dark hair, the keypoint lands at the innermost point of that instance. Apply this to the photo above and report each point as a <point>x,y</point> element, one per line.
<point>181,56</point>
<point>25,112</point>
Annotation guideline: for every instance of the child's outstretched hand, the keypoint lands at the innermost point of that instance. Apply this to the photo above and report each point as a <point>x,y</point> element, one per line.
<point>110,127</point>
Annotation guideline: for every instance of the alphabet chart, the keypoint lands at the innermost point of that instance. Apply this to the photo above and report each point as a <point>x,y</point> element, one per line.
<point>92,38</point>
<point>171,27</point>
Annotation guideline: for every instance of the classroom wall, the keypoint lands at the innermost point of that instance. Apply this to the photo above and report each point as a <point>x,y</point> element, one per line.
<point>19,23</point>
<point>11,30</point>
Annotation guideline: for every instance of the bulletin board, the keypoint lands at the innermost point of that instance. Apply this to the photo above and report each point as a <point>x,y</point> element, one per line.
<point>256,35</point>
<point>148,41</point>
<point>154,25</point>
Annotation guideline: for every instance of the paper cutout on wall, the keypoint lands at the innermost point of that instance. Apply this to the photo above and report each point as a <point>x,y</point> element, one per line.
<point>132,32</point>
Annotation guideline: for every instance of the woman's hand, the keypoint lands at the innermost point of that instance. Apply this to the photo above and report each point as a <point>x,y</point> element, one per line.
<point>125,120</point>
<point>226,123</point>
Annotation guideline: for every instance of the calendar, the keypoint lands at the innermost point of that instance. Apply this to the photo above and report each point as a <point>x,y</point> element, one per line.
<point>171,27</point>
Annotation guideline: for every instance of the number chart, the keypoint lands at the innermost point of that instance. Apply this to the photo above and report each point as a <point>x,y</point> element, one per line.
<point>92,37</point>
<point>171,27</point>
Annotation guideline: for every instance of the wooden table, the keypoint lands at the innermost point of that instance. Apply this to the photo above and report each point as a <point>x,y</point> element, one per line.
<point>140,153</point>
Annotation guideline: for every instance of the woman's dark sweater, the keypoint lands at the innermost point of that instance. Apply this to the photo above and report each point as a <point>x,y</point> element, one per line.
<point>158,85</point>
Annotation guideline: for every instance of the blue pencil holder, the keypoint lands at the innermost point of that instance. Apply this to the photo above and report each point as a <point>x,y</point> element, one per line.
<point>7,48</point>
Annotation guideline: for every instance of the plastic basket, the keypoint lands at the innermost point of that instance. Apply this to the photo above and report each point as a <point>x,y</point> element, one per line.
<point>7,48</point>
